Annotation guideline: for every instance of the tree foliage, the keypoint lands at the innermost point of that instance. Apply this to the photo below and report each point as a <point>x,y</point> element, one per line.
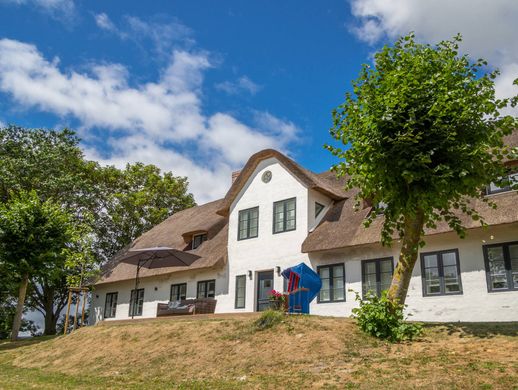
<point>424,134</point>
<point>425,131</point>
<point>35,236</point>
<point>111,206</point>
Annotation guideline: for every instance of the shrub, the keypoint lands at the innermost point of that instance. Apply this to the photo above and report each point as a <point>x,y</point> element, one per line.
<point>268,319</point>
<point>381,318</point>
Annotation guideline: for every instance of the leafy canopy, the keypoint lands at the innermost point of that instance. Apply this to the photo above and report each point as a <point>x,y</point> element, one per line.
<point>34,235</point>
<point>425,132</point>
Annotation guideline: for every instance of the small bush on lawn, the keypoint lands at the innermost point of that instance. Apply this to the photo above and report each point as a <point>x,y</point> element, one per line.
<point>269,319</point>
<point>381,318</point>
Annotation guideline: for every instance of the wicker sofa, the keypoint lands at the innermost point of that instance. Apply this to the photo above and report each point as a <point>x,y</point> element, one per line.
<point>188,307</point>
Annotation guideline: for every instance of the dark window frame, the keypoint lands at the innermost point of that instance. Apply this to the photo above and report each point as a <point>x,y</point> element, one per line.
<point>378,272</point>
<point>507,264</point>
<point>248,236</point>
<point>502,189</point>
<point>284,212</point>
<point>440,267</point>
<point>244,294</point>
<point>331,280</point>
<point>203,239</point>
<point>140,308</point>
<point>112,308</point>
<point>322,207</point>
<point>206,282</point>
<point>179,285</point>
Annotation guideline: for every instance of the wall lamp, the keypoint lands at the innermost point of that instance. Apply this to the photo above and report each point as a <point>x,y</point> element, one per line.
<point>250,274</point>
<point>278,270</point>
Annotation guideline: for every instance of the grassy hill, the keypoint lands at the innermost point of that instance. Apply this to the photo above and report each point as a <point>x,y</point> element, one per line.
<point>227,351</point>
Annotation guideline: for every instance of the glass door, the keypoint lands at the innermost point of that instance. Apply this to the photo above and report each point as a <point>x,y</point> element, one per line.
<point>264,286</point>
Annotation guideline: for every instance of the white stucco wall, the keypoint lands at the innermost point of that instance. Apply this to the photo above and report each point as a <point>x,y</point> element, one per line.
<point>475,303</point>
<point>156,290</point>
<point>268,250</point>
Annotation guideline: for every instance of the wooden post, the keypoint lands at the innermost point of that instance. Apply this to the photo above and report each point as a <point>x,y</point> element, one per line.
<point>78,296</point>
<point>85,294</point>
<point>68,311</point>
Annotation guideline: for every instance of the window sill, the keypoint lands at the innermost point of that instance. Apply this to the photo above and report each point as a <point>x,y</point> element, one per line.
<point>334,301</point>
<point>442,295</point>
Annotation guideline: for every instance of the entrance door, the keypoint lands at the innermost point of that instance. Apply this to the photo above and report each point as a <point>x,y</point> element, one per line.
<point>264,286</point>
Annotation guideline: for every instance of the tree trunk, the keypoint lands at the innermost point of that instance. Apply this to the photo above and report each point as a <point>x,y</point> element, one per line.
<point>407,258</point>
<point>17,321</point>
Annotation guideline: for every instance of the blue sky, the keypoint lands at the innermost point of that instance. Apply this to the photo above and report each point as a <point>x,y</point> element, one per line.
<point>195,87</point>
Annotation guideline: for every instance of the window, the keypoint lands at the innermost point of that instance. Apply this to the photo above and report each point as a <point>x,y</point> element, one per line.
<point>501,266</point>
<point>206,289</point>
<point>240,291</point>
<point>198,239</point>
<point>136,302</point>
<point>333,283</point>
<point>178,292</point>
<point>495,189</point>
<point>377,275</point>
<point>284,215</point>
<point>440,272</point>
<point>110,305</point>
<point>318,208</point>
<point>248,223</point>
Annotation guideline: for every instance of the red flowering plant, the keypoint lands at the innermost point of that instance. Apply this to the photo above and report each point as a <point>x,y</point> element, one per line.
<point>277,300</point>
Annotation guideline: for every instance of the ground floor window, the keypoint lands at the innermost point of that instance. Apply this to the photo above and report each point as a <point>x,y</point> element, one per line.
<point>110,305</point>
<point>333,283</point>
<point>136,302</point>
<point>240,291</point>
<point>377,275</point>
<point>206,289</point>
<point>501,266</point>
<point>178,292</point>
<point>441,273</point>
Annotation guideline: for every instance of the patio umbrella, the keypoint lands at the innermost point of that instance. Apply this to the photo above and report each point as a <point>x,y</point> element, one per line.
<point>157,257</point>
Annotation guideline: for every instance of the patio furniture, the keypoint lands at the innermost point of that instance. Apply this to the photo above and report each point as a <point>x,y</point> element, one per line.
<point>188,307</point>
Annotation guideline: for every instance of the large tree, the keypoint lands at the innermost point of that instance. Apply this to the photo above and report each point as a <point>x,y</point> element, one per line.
<point>34,237</point>
<point>423,130</point>
<point>117,204</point>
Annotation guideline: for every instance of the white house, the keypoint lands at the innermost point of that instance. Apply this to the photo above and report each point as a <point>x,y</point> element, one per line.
<point>277,214</point>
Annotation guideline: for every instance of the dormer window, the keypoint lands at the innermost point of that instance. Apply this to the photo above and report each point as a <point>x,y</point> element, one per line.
<point>198,239</point>
<point>318,208</point>
<point>495,189</point>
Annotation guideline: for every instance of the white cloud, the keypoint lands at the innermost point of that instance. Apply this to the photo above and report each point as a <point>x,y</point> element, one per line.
<point>155,122</point>
<point>58,9</point>
<point>104,22</point>
<point>162,32</point>
<point>489,28</point>
<point>242,84</point>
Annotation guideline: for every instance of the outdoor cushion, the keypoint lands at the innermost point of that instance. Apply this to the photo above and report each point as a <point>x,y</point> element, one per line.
<point>174,304</point>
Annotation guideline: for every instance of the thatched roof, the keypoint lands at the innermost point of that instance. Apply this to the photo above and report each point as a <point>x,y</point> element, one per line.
<point>343,226</point>
<point>331,188</point>
<point>171,233</point>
